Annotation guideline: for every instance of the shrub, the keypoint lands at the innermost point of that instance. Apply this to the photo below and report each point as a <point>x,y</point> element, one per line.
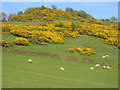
<point>59,25</point>
<point>82,51</point>
<point>5,43</point>
<point>40,40</point>
<point>21,41</point>
<point>70,50</point>
<point>85,51</point>
<point>73,26</point>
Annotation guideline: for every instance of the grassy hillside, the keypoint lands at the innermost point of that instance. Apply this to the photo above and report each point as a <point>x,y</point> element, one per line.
<point>83,41</point>
<point>44,36</point>
<point>45,73</point>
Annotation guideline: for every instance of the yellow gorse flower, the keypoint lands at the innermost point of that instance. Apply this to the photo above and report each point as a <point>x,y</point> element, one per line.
<point>51,33</point>
<point>21,41</point>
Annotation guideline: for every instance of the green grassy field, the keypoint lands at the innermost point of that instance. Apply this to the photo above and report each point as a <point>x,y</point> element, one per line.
<point>44,71</point>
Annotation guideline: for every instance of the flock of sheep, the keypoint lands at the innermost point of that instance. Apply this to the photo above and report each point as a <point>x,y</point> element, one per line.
<point>104,66</point>
<point>91,68</point>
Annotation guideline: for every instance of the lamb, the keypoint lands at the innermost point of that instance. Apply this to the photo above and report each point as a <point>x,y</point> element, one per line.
<point>107,56</point>
<point>108,67</point>
<point>62,69</point>
<point>97,65</point>
<point>104,67</point>
<point>103,57</point>
<point>91,68</point>
<point>30,60</point>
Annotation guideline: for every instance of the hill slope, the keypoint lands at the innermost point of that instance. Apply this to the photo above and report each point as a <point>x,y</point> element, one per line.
<point>45,36</point>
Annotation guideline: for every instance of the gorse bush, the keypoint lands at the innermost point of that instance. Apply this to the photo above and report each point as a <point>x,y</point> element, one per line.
<point>82,51</point>
<point>40,40</point>
<point>21,41</point>
<point>5,43</point>
<point>53,32</point>
<point>70,50</point>
<point>85,51</point>
<point>33,15</point>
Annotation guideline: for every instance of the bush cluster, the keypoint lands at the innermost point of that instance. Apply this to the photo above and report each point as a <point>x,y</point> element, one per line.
<point>56,31</point>
<point>21,41</point>
<point>82,51</point>
<point>5,43</point>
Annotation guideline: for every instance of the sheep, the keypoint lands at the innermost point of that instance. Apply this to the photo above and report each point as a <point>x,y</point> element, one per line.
<point>104,67</point>
<point>108,67</point>
<point>107,56</point>
<point>103,57</point>
<point>30,60</point>
<point>62,69</point>
<point>91,68</point>
<point>97,65</point>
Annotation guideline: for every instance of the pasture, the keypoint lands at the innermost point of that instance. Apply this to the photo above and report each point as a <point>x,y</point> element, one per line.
<point>44,71</point>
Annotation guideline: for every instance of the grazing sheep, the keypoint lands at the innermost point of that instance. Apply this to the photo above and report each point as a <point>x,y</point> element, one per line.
<point>103,57</point>
<point>30,60</point>
<point>62,69</point>
<point>97,65</point>
<point>107,56</point>
<point>104,67</point>
<point>108,67</point>
<point>91,68</point>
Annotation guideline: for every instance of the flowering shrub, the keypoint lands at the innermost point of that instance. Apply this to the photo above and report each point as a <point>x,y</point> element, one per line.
<point>46,14</point>
<point>6,29</point>
<point>103,31</point>
<point>85,51</point>
<point>70,50</point>
<point>56,31</point>
<point>94,21</point>
<point>62,22</point>
<point>21,41</point>
<point>82,51</point>
<point>5,43</point>
<point>111,41</point>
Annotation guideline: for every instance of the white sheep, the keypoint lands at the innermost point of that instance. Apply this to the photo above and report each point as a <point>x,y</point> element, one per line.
<point>104,67</point>
<point>62,69</point>
<point>103,57</point>
<point>91,68</point>
<point>108,67</point>
<point>107,56</point>
<point>30,60</point>
<point>97,65</point>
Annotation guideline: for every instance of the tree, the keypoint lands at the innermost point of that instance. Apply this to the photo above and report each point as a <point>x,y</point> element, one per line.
<point>11,15</point>
<point>54,7</point>
<point>69,9</point>
<point>3,15</point>
<point>84,14</point>
<point>42,7</point>
<point>29,10</point>
<point>20,12</point>
<point>113,18</point>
